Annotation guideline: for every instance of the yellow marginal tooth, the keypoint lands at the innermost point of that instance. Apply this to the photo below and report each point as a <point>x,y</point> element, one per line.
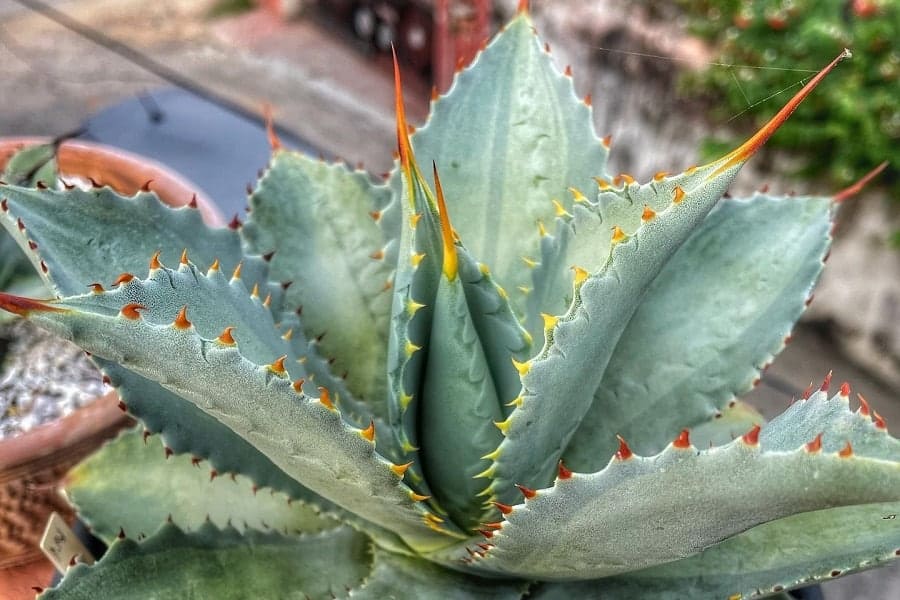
<point>254,293</point>
<point>549,321</point>
<point>451,262</point>
<point>154,261</point>
<point>417,497</point>
<point>560,209</point>
<point>405,400</point>
<point>648,214</point>
<point>502,293</point>
<point>411,348</point>
<point>400,470</point>
<point>489,494</point>
<point>213,267</point>
<point>602,183</point>
<point>485,270</point>
<point>414,219</point>
<point>577,195</point>
<point>531,263</point>
<point>433,518</point>
<point>521,367</point>
<point>618,235</point>
<point>237,271</point>
<point>542,231</point>
<point>678,195</point>
<point>660,176</point>
<point>690,170</point>
<point>416,258</point>
<point>492,455</point>
<point>580,274</point>
<point>503,426</point>
<point>288,335</point>
<point>487,473</point>
<point>516,402</point>
<point>369,432</point>
<point>625,177</point>
<point>407,447</point>
<point>412,307</point>
<point>524,289</point>
<point>184,257</point>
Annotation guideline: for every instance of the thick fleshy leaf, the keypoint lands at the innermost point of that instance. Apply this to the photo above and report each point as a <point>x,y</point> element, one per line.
<point>396,577</point>
<point>608,289</point>
<point>317,218</point>
<point>640,512</point>
<point>534,138</point>
<point>459,402</point>
<point>91,236</point>
<point>259,403</point>
<point>131,484</point>
<point>797,551</point>
<point>717,313</point>
<point>214,563</point>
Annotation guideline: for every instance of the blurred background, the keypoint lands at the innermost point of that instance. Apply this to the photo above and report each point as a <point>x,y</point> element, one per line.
<point>185,82</point>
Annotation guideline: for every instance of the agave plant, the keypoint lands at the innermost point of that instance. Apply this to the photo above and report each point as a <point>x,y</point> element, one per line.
<point>424,388</point>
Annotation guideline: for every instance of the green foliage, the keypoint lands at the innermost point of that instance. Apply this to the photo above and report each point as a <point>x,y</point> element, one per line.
<point>395,380</point>
<point>855,122</point>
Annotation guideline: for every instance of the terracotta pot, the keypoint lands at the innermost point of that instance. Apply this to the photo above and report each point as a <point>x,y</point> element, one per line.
<point>32,464</point>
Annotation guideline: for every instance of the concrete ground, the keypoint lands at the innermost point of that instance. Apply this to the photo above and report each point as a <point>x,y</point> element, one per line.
<point>52,79</point>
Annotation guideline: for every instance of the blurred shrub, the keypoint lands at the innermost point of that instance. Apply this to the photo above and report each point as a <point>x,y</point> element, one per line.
<point>852,123</point>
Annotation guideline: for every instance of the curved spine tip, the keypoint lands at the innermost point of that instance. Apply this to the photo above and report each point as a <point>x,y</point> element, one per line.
<point>624,452</point>
<point>751,438</point>
<point>369,432</point>
<point>131,311</point>
<point>815,445</point>
<point>181,320</point>
<point>683,441</point>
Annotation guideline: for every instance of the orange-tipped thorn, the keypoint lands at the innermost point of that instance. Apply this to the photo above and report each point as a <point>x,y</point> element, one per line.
<point>808,391</point>
<point>846,451</point>
<point>181,320</point>
<point>154,261</point>
<point>826,383</point>
<point>503,508</point>
<point>863,406</point>
<point>325,398</point>
<point>562,472</point>
<point>123,279</point>
<point>880,423</point>
<point>855,188</point>
<point>400,470</point>
<point>274,142</point>
<point>677,195</point>
<point>184,257</point>
<point>369,432</point>
<point>815,445</point>
<point>130,311</point>
<point>683,441</point>
<point>97,288</point>
<point>845,390</point>
<point>523,7</point>
<point>277,365</point>
<point>298,385</point>
<point>648,214</point>
<point>225,338</point>
<point>624,452</point>
<point>751,438</point>
<point>528,493</point>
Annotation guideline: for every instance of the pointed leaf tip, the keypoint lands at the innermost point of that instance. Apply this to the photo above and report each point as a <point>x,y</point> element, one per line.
<point>855,188</point>
<point>274,142</point>
<point>523,7</point>
<point>751,146</point>
<point>23,306</point>
<point>451,261</point>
